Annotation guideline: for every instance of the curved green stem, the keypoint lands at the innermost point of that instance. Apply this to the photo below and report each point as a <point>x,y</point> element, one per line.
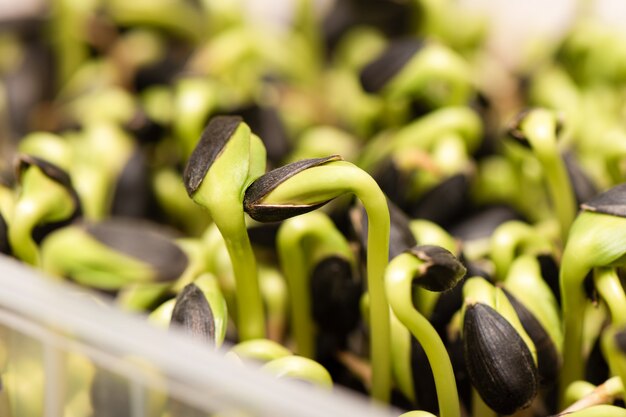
<point>398,278</point>
<point>573,303</point>
<point>324,183</point>
<point>509,238</point>
<point>540,130</point>
<point>41,200</point>
<point>250,316</point>
<point>610,288</point>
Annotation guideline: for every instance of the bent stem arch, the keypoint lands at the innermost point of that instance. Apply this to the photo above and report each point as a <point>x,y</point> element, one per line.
<point>316,185</point>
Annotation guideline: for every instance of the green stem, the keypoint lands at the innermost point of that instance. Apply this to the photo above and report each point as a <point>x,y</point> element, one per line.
<point>573,303</point>
<point>378,226</point>
<point>561,191</point>
<point>25,217</point>
<point>541,133</point>
<point>610,288</point>
<point>399,277</point>
<point>250,316</point>
<point>329,181</point>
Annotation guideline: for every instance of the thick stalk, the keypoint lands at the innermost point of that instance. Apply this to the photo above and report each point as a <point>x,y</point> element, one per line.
<point>378,225</point>
<point>398,282</point>
<point>561,191</point>
<point>250,316</point>
<point>573,302</point>
<point>329,181</point>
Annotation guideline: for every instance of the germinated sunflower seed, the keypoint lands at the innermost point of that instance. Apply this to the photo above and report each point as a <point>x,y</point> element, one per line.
<point>51,171</point>
<point>214,138</point>
<point>259,189</point>
<point>516,131</point>
<point>193,312</point>
<point>442,270</point>
<point>132,196</point>
<point>444,203</point>
<point>612,201</point>
<point>379,72</point>
<point>58,175</point>
<point>145,241</point>
<point>498,361</point>
<point>335,295</point>
<point>265,122</point>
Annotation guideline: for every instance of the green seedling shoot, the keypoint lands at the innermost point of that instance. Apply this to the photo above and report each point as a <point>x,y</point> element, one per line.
<point>438,270</point>
<point>112,254</point>
<point>539,129</point>
<point>226,160</point>
<point>303,186</point>
<point>45,196</point>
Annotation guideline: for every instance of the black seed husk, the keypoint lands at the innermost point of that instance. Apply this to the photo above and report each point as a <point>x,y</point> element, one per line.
<point>483,223</point>
<point>393,181</point>
<point>335,295</point>
<point>49,169</point>
<point>612,201</point>
<point>193,312</point>
<point>498,361</point>
<point>584,188</point>
<point>144,241</point>
<point>132,197</point>
<point>445,203</point>
<point>443,270</point>
<point>423,380</point>
<point>214,138</point>
<point>265,122</point>
<point>548,359</point>
<point>550,272</point>
<point>379,72</point>
<point>448,303</point>
<point>259,189</point>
